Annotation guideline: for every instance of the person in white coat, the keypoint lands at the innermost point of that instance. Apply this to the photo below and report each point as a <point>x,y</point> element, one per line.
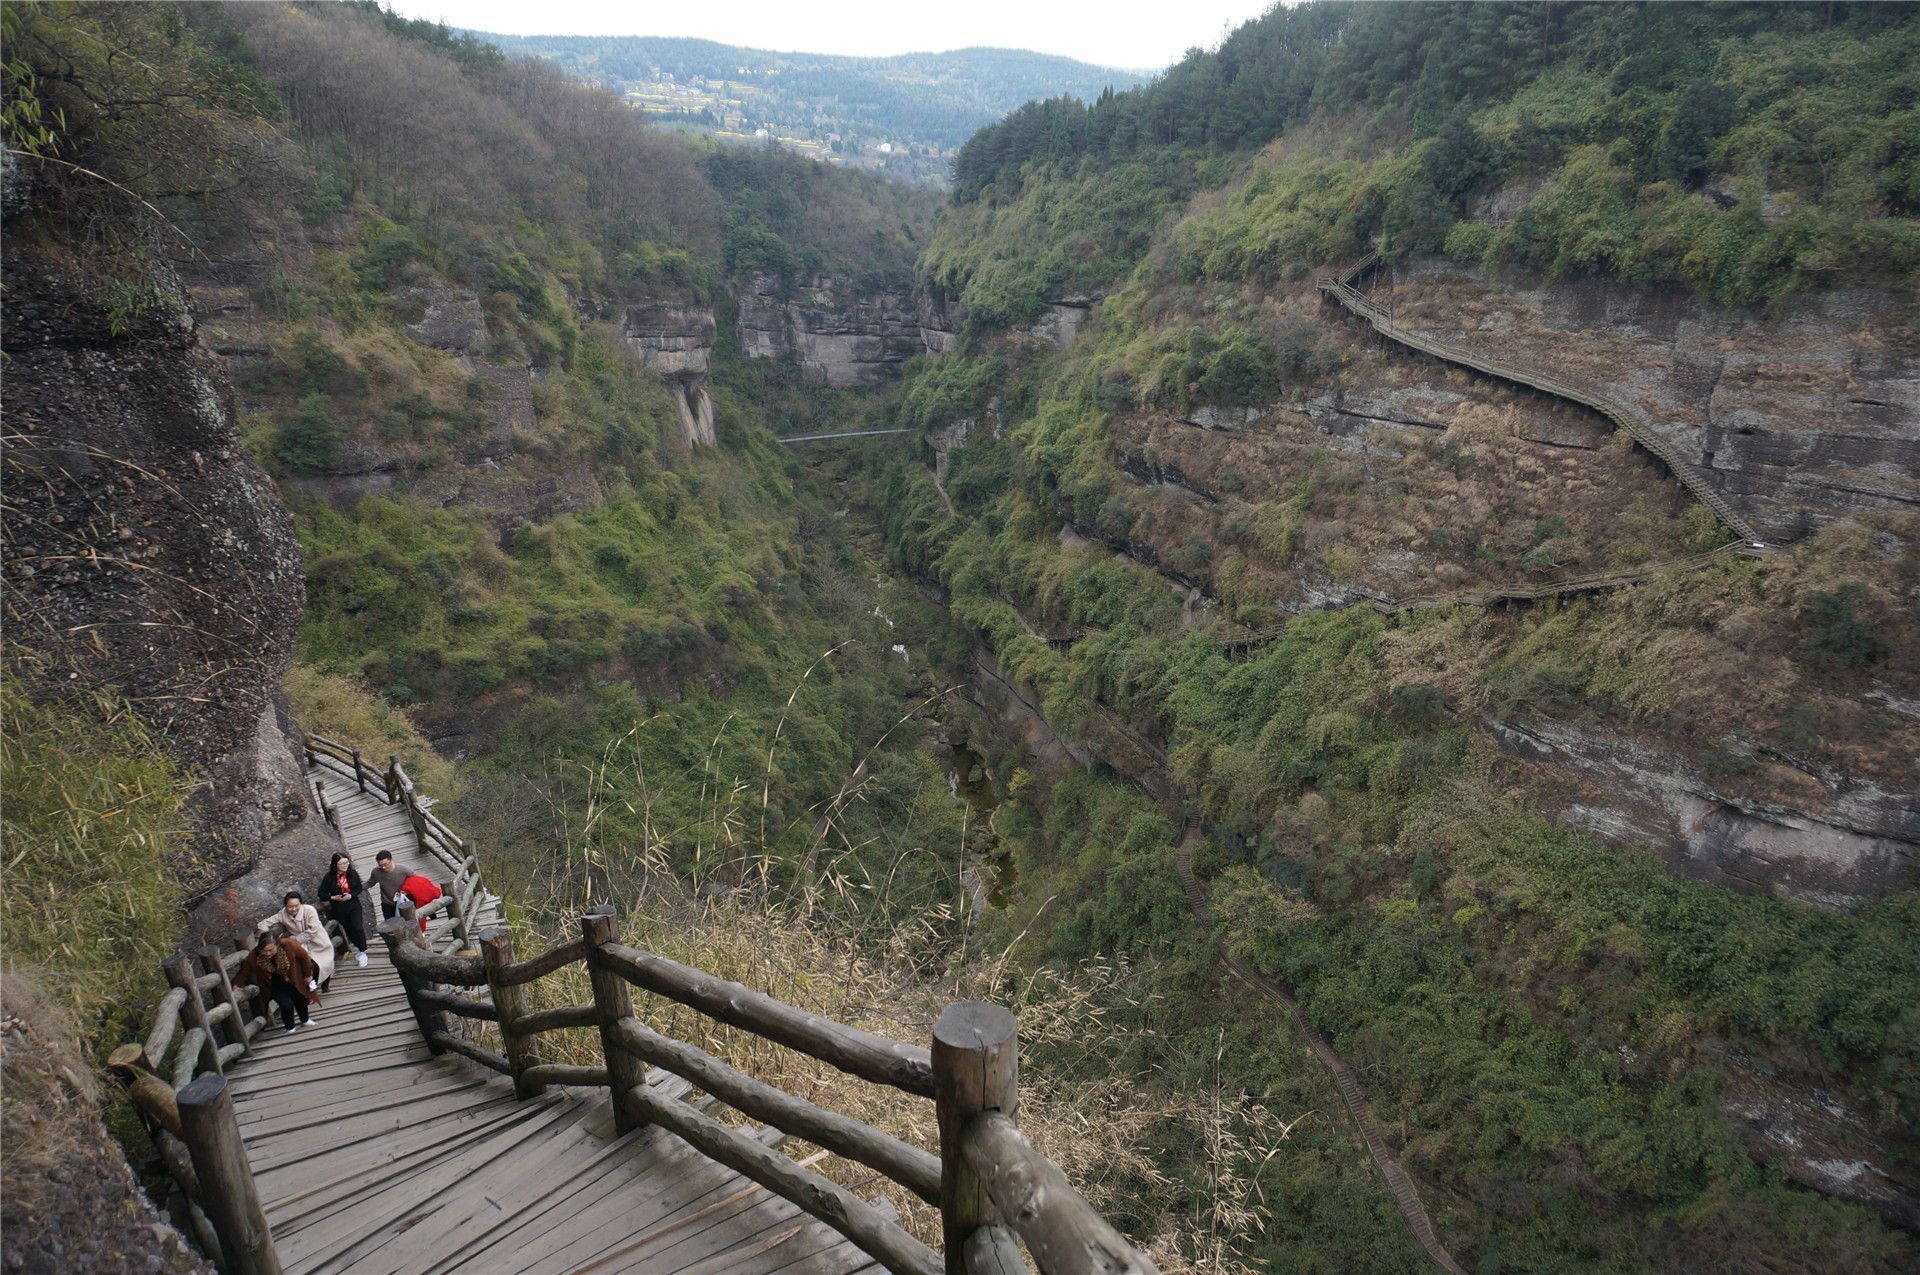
<point>299,921</point>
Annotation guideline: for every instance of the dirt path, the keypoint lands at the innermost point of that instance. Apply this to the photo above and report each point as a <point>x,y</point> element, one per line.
<point>1404,1194</point>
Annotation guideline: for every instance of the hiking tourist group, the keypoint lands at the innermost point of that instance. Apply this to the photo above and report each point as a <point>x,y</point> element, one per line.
<point>292,957</point>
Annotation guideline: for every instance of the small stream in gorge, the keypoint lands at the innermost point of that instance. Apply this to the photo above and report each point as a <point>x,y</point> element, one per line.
<point>990,873</point>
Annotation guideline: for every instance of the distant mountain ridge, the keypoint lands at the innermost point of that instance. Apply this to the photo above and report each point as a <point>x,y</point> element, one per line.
<point>920,106</point>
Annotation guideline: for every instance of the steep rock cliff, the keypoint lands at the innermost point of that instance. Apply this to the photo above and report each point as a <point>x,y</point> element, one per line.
<point>675,339</point>
<point>146,549</point>
<point>841,336</point>
<point>1799,418</point>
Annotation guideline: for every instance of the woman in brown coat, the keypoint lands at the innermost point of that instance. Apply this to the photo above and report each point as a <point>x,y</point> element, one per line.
<point>282,969</point>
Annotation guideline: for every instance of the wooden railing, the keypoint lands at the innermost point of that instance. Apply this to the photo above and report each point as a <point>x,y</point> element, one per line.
<point>1381,320</point>
<point>988,1182</point>
<point>176,1080</point>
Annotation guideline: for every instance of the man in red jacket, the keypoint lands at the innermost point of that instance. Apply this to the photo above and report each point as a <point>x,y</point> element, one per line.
<point>420,892</point>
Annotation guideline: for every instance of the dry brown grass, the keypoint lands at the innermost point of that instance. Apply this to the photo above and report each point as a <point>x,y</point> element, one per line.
<point>348,712</point>
<point>821,950</point>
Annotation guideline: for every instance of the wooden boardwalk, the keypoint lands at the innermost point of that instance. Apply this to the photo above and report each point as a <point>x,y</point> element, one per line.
<point>372,1155</point>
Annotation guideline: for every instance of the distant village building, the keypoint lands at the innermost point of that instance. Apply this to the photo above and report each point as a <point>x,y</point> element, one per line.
<point>886,148</point>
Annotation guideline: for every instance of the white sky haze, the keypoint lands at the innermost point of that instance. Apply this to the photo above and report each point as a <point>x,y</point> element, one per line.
<point>1132,34</point>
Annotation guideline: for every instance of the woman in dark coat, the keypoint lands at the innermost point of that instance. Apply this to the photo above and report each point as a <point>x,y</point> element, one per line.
<point>284,972</point>
<point>343,893</point>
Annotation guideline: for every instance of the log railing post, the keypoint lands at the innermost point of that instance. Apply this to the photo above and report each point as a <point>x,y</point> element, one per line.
<point>210,963</point>
<point>359,774</point>
<point>320,799</point>
<point>397,932</point>
<point>450,891</point>
<point>509,1002</point>
<point>180,974</point>
<point>393,778</point>
<point>976,1067</point>
<point>227,1192</point>
<point>612,1003</point>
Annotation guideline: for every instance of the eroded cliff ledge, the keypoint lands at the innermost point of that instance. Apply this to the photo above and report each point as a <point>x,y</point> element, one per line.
<point>1799,418</point>
<point>842,336</point>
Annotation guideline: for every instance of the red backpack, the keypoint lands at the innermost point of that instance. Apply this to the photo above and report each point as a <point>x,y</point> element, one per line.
<point>421,891</point>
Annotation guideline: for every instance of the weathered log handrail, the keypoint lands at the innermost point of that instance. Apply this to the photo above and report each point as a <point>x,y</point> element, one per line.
<point>858,1053</point>
<point>560,1019</point>
<point>987,1180</point>
<point>1062,1230</point>
<point>465,1006</point>
<point>911,1167</point>
<point>555,958</point>
<point>870,1230</point>
<point>1065,1234</point>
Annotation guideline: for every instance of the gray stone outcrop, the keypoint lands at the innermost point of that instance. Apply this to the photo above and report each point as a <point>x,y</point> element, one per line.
<point>675,339</point>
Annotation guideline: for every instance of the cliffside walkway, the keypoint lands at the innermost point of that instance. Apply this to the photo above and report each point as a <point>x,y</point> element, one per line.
<point>1623,415</point>
<point>414,1127</point>
<point>1247,640</point>
<point>1404,1194</point>
<point>373,1155</point>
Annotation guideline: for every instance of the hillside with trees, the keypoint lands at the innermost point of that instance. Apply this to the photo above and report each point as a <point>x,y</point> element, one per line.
<point>1211,529</point>
<point>842,110</point>
<point>365,375</point>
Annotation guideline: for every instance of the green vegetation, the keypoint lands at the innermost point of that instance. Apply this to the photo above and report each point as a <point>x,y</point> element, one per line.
<point>923,105</point>
<point>669,668</point>
<point>91,903</point>
<point>1615,117</point>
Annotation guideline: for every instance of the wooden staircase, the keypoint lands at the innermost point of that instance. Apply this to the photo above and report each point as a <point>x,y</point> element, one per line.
<point>372,1155</point>
<point>386,1135</point>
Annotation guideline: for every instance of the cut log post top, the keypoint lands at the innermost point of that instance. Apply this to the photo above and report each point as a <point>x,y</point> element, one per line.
<point>976,1068</point>
<point>152,1096</point>
<point>401,934</point>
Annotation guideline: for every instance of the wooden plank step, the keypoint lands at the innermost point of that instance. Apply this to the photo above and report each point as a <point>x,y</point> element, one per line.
<point>403,1160</point>
<point>618,1215</point>
<point>443,1095</point>
<point>653,1175</point>
<point>343,1238</point>
<point>746,1221</point>
<point>449,1128</point>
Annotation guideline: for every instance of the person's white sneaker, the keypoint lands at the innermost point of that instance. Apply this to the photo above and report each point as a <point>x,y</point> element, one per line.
<point>291,1030</point>
<point>360,958</point>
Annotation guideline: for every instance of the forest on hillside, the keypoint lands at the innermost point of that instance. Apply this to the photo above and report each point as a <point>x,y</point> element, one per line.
<point>957,712</point>
<point>1743,149</point>
<point>922,106</point>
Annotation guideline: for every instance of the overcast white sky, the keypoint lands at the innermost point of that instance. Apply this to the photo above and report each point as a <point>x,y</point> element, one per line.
<point>1133,34</point>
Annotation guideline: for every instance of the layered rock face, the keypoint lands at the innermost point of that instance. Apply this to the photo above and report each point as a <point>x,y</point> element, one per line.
<point>146,551</point>
<point>1800,418</point>
<point>841,337</point>
<point>675,339</point>
<point>1838,852</point>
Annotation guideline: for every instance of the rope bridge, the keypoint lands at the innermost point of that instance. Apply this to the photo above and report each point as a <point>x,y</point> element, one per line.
<point>388,1138</point>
